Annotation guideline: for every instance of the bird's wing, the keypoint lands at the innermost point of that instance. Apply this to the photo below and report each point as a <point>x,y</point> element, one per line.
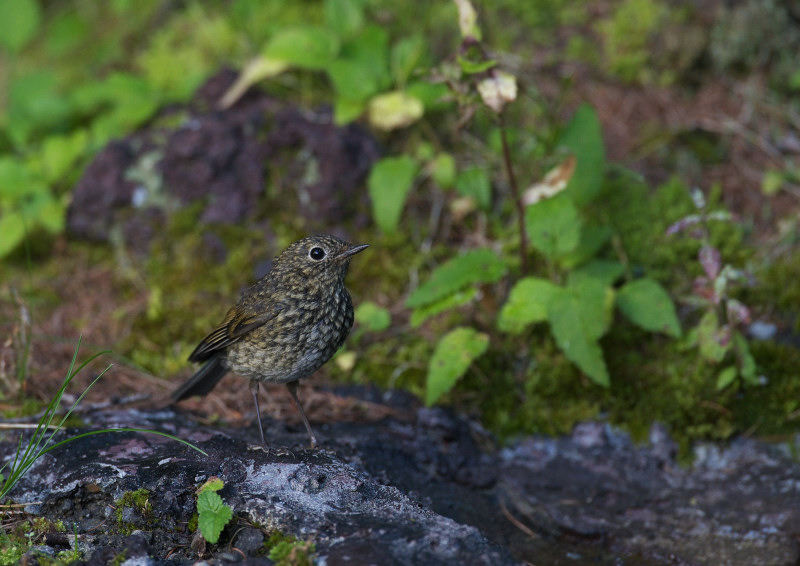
<point>235,325</point>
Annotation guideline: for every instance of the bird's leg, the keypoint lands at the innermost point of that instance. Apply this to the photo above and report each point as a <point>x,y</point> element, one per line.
<point>292,387</point>
<point>254,391</point>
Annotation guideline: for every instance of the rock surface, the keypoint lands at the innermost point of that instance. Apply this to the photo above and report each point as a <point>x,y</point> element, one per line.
<point>430,489</point>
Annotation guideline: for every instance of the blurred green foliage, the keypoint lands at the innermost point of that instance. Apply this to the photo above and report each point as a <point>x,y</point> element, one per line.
<point>452,304</point>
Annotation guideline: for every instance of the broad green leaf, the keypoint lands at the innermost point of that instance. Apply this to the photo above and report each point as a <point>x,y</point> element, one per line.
<point>423,313</point>
<point>405,56</point>
<point>345,17</point>
<point>16,180</point>
<point>372,318</point>
<point>592,238</point>
<point>35,105</point>
<point>350,81</point>
<point>453,355</point>
<point>566,314</point>
<point>527,303</point>
<point>647,304</point>
<point>474,182</point>
<point>389,183</point>
<point>476,266</point>
<point>600,270</point>
<point>369,50</point>
<point>584,139</point>
<point>434,96</point>
<point>19,21</point>
<point>713,345</point>
<point>726,377</point>
<point>443,170</point>
<point>212,515</point>
<point>305,47</point>
<point>595,299</point>
<point>393,110</point>
<point>12,228</point>
<point>51,216</point>
<point>554,226</point>
<point>59,154</point>
<point>213,484</point>
<point>346,110</point>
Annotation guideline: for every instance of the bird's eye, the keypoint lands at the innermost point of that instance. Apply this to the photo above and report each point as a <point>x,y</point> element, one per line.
<point>317,254</point>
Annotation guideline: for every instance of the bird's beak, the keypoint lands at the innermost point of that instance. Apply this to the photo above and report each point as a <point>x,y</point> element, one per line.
<point>352,251</point>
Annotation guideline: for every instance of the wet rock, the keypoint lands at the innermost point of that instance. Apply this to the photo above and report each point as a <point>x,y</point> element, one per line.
<point>220,157</point>
<point>425,487</point>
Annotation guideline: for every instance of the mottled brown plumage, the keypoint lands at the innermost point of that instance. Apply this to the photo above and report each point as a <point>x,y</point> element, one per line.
<point>284,327</point>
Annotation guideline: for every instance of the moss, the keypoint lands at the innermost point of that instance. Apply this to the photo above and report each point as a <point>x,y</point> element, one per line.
<point>286,550</point>
<point>139,501</point>
<point>193,522</point>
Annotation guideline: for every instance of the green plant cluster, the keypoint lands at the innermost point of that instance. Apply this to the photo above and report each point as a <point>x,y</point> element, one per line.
<point>550,291</point>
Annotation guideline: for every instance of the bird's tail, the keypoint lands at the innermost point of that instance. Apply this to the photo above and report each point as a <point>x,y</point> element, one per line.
<point>203,381</point>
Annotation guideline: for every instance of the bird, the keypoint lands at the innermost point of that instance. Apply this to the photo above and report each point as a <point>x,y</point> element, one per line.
<point>284,327</point>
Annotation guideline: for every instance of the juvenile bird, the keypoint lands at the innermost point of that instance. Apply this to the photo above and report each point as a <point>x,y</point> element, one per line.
<point>285,326</point>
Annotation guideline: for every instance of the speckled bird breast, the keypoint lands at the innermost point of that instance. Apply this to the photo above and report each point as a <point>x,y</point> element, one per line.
<point>293,345</point>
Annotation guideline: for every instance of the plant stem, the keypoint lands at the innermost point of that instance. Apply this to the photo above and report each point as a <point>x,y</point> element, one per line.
<point>523,235</point>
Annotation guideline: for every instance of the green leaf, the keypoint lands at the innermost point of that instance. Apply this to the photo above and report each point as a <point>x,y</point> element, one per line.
<point>304,47</point>
<point>372,318</point>
<point>405,57</point>
<point>470,67</point>
<point>527,303</point>
<point>554,226</point>
<point>453,355</point>
<point>584,139</point>
<point>592,238</point>
<point>474,182</point>
<point>726,377</point>
<point>395,109</point>
<point>423,313</point>
<point>213,515</point>
<point>389,183</point>
<point>59,154</point>
<point>708,338</point>
<point>213,483</point>
<point>603,271</point>
<point>51,215</point>
<point>369,51</point>
<point>574,322</point>
<point>350,81</point>
<point>434,96</point>
<point>648,305</point>
<point>772,181</point>
<point>345,17</point>
<point>16,181</point>
<point>12,227</point>
<point>595,299</point>
<point>443,170</point>
<point>346,110</point>
<point>19,21</point>
<point>476,266</point>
